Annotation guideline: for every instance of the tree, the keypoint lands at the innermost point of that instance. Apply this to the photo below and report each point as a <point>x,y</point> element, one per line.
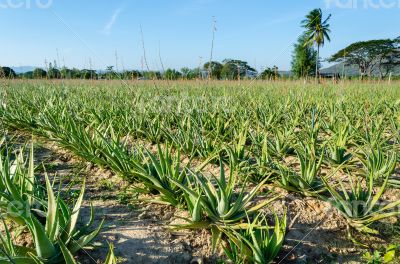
<point>229,71</point>
<point>39,73</point>
<point>28,75</point>
<point>131,75</point>
<point>110,73</point>
<point>390,59</point>
<point>76,73</point>
<point>152,75</point>
<point>88,74</point>
<point>54,73</point>
<point>7,72</point>
<point>304,58</point>
<point>215,68</point>
<point>367,55</point>
<point>235,69</point>
<point>317,30</point>
<point>172,74</point>
<point>270,73</point>
<point>65,73</point>
<point>191,74</point>
<point>185,72</point>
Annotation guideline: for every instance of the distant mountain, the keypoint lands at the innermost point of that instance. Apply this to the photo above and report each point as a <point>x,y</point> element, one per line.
<point>23,69</point>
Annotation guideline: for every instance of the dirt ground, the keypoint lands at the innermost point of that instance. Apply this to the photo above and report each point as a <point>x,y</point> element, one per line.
<point>140,231</point>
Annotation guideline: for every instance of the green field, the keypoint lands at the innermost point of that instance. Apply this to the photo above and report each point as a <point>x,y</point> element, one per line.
<point>291,172</point>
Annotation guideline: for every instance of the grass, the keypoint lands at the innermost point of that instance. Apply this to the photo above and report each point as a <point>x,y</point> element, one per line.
<point>302,137</point>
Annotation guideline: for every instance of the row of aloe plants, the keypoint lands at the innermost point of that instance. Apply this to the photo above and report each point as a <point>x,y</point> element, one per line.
<point>200,125</point>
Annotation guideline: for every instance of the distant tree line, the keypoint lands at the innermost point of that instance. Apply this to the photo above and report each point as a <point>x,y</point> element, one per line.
<point>228,69</point>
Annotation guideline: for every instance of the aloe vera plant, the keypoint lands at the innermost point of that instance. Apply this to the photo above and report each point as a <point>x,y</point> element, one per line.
<point>184,139</point>
<point>372,134</point>
<point>84,141</point>
<point>110,258</point>
<point>337,153</point>
<point>258,242</point>
<point>263,166</point>
<point>217,199</point>
<point>307,180</point>
<point>56,240</point>
<point>240,143</point>
<point>9,251</point>
<point>361,205</point>
<point>377,165</point>
<point>311,131</point>
<point>214,204</point>
<point>152,129</point>
<point>161,174</point>
<point>208,144</point>
<point>282,143</point>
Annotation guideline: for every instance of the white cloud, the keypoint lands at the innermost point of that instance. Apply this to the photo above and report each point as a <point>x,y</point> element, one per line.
<point>108,27</point>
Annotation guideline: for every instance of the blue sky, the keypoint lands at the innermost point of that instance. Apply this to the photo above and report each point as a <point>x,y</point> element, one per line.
<point>261,32</point>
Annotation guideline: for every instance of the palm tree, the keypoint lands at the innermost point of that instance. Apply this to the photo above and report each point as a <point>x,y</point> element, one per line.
<point>317,30</point>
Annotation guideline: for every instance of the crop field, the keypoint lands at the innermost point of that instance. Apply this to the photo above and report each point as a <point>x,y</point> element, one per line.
<point>199,172</point>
